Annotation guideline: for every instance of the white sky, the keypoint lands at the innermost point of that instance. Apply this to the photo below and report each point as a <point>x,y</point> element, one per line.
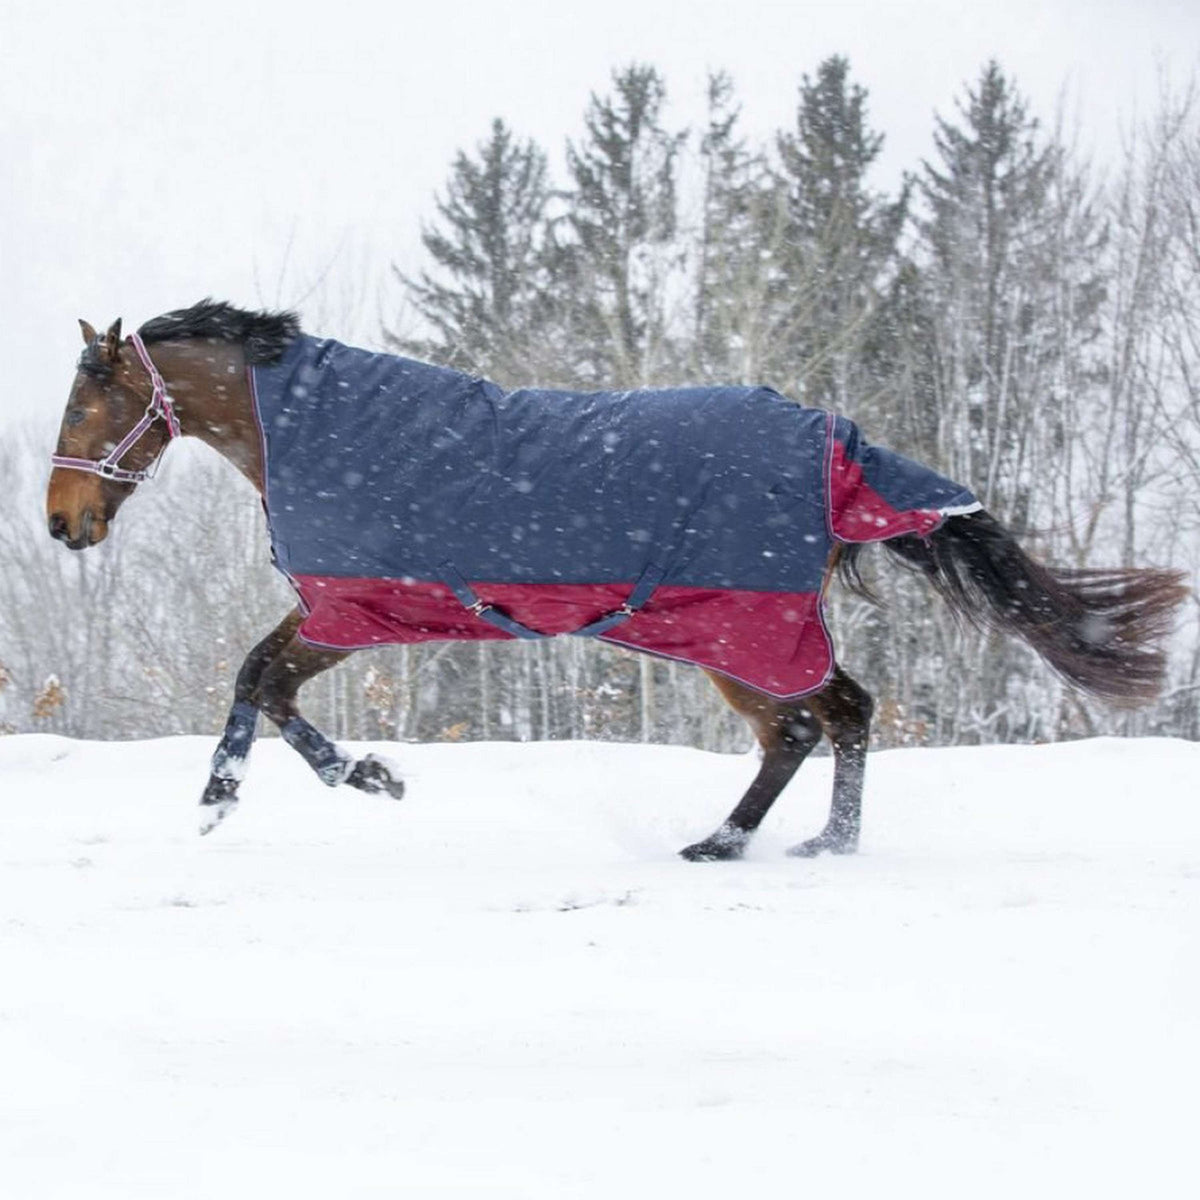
<point>154,154</point>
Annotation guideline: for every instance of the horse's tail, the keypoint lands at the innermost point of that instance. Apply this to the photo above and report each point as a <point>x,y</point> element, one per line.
<point>1101,629</point>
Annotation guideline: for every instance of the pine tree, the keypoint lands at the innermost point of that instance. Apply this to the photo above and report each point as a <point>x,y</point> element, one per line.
<point>738,252</point>
<point>987,237</point>
<point>614,252</point>
<point>841,241</point>
<point>486,304</point>
<point>1010,283</point>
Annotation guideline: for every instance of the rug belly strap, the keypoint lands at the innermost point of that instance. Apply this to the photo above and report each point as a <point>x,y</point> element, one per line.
<point>649,579</point>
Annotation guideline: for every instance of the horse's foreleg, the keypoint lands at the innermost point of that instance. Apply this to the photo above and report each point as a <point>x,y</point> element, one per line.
<point>787,730</point>
<point>294,666</point>
<point>230,758</point>
<point>844,709</point>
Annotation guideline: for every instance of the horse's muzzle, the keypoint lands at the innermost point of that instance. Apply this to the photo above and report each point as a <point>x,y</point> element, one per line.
<point>90,530</point>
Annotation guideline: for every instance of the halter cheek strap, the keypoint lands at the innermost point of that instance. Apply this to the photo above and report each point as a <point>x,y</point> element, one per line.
<point>161,407</point>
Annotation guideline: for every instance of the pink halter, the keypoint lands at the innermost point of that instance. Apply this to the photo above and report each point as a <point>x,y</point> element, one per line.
<point>161,406</point>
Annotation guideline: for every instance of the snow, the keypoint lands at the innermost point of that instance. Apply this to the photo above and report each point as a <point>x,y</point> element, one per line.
<point>506,985</point>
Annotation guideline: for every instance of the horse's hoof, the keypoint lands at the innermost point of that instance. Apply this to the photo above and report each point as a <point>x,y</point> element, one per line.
<point>822,845</point>
<point>725,845</point>
<point>214,812</point>
<point>376,776</point>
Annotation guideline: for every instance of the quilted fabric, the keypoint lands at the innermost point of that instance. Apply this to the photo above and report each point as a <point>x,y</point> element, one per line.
<point>409,502</point>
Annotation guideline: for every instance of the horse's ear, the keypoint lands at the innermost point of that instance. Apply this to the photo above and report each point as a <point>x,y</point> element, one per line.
<point>89,334</point>
<point>112,340</point>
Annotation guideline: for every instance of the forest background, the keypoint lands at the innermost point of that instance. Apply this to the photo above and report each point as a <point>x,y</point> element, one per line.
<point>1006,314</point>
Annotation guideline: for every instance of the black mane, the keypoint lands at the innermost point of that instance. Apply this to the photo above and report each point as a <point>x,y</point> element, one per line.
<point>263,335</point>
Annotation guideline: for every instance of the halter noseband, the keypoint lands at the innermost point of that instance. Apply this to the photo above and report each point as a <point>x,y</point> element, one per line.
<point>161,406</point>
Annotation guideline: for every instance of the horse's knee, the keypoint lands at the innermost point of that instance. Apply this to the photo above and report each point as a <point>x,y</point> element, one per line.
<point>287,673</point>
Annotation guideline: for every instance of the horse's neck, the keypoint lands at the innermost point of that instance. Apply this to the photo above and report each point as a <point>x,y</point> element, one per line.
<point>208,382</point>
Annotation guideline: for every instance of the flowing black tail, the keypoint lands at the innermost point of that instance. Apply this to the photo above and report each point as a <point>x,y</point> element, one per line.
<point>1100,629</point>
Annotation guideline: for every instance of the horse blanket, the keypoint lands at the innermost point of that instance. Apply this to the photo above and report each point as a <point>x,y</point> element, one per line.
<point>411,503</point>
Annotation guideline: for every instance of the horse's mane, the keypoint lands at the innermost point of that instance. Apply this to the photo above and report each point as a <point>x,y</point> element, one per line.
<point>263,335</point>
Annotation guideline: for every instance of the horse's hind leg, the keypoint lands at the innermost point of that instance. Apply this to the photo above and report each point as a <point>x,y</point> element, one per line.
<point>787,730</point>
<point>230,758</point>
<point>843,708</point>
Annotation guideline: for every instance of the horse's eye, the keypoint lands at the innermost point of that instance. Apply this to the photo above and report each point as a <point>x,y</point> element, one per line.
<point>75,416</point>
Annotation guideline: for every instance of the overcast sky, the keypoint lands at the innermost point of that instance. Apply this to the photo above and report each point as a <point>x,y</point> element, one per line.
<point>154,154</point>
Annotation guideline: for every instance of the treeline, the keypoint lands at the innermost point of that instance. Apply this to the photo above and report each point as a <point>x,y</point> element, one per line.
<point>1029,328</point>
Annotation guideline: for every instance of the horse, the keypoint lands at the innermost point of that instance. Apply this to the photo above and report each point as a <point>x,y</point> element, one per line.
<point>206,372</point>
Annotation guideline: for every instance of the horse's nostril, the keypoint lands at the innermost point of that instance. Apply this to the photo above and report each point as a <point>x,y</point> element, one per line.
<point>59,528</point>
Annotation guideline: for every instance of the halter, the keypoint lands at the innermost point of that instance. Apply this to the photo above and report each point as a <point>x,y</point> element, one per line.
<point>161,406</point>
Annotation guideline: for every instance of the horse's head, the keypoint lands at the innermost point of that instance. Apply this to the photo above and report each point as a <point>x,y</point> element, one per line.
<point>97,466</point>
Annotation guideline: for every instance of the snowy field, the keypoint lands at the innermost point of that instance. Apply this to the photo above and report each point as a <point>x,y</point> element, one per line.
<point>508,986</point>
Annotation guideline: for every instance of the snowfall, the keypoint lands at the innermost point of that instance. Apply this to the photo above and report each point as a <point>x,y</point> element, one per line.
<point>507,984</point>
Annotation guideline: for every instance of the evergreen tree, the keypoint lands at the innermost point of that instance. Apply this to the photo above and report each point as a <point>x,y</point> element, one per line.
<point>987,237</point>
<point>1010,283</point>
<point>486,304</point>
<point>738,252</point>
<point>614,252</point>
<point>841,242</point>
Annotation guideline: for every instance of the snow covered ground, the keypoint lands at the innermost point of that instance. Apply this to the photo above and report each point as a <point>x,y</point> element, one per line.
<point>508,986</point>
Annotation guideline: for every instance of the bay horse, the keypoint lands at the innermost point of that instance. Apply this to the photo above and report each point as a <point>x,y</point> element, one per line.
<point>241,381</point>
